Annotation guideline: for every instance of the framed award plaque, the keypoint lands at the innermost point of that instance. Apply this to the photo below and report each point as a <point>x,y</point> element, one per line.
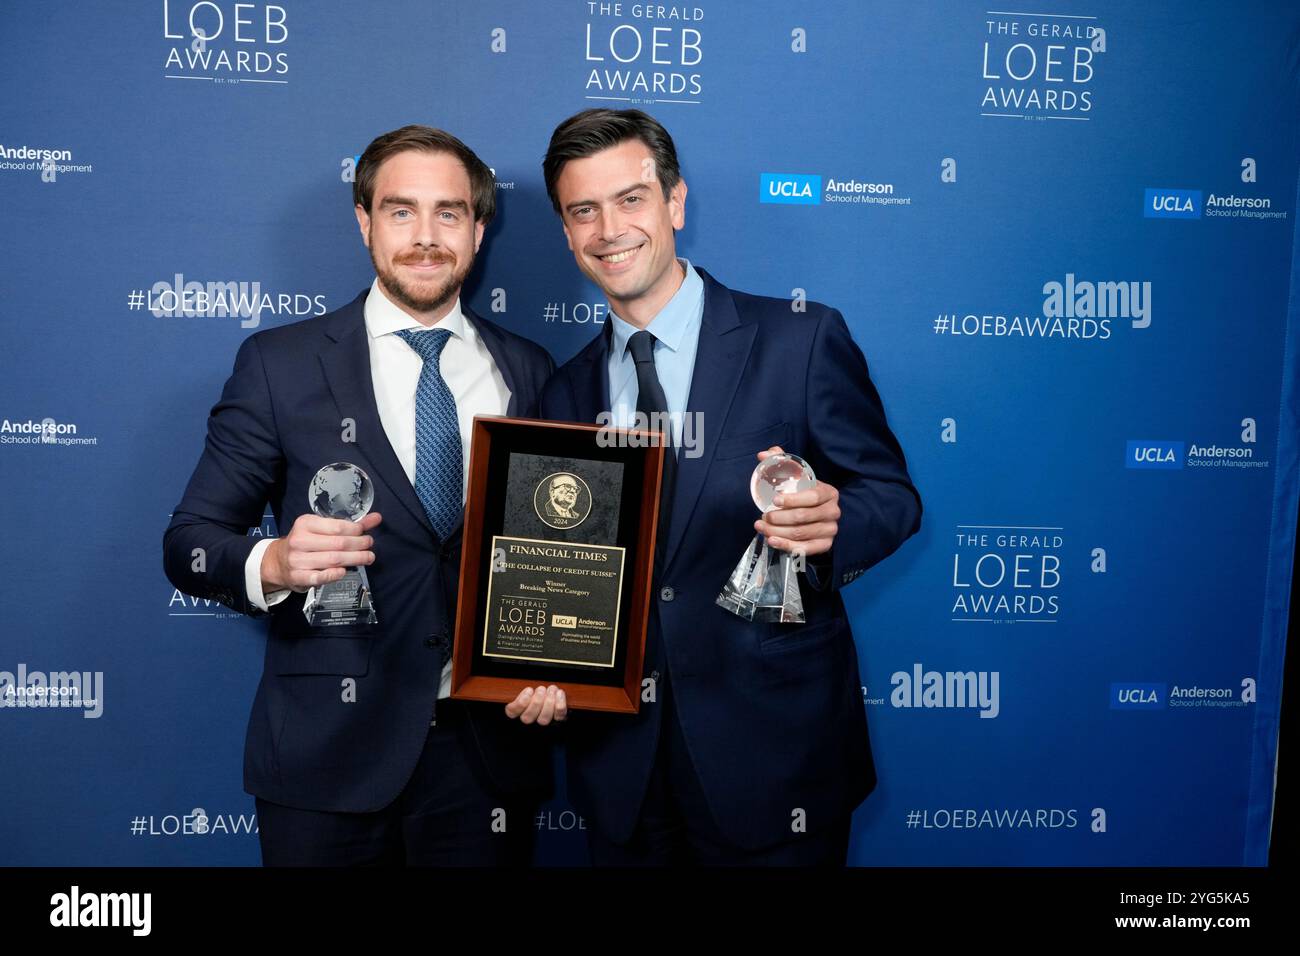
<point>557,556</point>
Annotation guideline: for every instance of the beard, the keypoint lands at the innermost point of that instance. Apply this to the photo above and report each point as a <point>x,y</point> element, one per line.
<point>424,298</point>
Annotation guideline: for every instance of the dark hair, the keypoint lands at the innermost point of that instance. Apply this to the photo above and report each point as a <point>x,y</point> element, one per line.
<point>594,130</point>
<point>428,140</point>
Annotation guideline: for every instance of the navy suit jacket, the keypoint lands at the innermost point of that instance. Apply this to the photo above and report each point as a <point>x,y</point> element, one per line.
<point>772,714</point>
<point>283,415</point>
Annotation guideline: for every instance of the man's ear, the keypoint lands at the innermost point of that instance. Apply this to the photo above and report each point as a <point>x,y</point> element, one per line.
<point>478,235</point>
<point>567,238</point>
<point>677,204</point>
<point>363,223</point>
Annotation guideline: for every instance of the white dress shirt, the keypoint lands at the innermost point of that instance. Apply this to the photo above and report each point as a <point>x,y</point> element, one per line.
<point>467,367</point>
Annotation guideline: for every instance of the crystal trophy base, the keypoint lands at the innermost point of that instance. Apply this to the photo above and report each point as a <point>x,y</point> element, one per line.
<point>764,586</point>
<point>345,601</point>
<point>342,491</point>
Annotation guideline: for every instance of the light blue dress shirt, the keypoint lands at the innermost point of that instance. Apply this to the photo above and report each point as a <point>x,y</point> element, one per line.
<point>677,331</point>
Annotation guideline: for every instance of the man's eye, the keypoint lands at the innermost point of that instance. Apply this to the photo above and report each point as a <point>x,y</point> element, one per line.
<point>632,200</point>
<point>401,214</point>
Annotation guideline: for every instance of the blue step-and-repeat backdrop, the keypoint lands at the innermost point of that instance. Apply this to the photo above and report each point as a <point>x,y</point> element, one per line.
<point>1064,238</point>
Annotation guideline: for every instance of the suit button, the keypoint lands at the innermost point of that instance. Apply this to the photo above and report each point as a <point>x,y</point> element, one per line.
<point>667,593</point>
<point>654,675</point>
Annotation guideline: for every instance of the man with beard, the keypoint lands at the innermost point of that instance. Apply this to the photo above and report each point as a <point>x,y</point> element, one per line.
<point>355,751</point>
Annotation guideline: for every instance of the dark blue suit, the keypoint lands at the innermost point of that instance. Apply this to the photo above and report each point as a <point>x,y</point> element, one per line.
<point>283,415</point>
<point>771,714</point>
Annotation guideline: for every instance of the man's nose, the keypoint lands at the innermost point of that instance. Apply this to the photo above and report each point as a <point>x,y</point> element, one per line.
<point>612,226</point>
<point>426,232</point>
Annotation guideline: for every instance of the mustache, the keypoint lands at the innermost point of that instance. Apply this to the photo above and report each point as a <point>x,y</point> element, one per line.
<point>433,256</point>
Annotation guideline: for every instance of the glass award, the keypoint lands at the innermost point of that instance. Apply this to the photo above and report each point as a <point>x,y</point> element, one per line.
<point>341,490</point>
<point>765,584</point>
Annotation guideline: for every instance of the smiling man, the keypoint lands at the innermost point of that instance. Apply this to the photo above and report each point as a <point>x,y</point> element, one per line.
<point>754,749</point>
<point>355,751</point>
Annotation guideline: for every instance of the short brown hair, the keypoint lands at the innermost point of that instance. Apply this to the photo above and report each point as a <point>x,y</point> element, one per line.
<point>591,131</point>
<point>425,139</point>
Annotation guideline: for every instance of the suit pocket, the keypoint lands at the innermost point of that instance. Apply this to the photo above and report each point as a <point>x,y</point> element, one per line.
<point>295,647</point>
<point>794,638</point>
<point>752,442</point>
<point>347,656</point>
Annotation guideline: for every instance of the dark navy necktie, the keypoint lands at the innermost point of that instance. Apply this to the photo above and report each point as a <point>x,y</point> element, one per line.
<point>438,452</point>
<point>650,399</point>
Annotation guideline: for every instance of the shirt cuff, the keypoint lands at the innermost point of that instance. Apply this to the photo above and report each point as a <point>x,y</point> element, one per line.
<point>253,579</point>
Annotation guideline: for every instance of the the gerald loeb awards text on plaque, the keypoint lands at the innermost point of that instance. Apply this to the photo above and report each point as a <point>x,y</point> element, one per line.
<point>556,562</point>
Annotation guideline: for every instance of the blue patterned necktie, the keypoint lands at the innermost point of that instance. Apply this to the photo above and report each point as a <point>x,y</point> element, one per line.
<point>438,461</point>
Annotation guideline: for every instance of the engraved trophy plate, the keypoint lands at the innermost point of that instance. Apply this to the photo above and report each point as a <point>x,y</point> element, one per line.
<point>341,490</point>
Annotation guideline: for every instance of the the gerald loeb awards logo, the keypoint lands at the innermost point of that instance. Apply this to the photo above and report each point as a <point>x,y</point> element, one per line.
<point>562,500</point>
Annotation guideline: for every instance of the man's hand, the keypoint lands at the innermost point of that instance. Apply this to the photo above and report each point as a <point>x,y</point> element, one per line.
<point>317,551</point>
<point>541,705</point>
<point>802,521</point>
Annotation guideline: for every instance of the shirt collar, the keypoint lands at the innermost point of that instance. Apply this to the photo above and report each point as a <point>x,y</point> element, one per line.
<point>673,321</point>
<point>384,317</point>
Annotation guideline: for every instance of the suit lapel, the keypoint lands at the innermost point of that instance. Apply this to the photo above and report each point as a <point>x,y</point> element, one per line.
<point>720,359</point>
<point>507,363</point>
<point>591,372</point>
<point>504,357</point>
<point>345,360</point>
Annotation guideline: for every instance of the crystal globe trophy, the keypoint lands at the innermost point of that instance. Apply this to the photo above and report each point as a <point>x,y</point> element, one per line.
<point>341,490</point>
<point>765,584</point>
